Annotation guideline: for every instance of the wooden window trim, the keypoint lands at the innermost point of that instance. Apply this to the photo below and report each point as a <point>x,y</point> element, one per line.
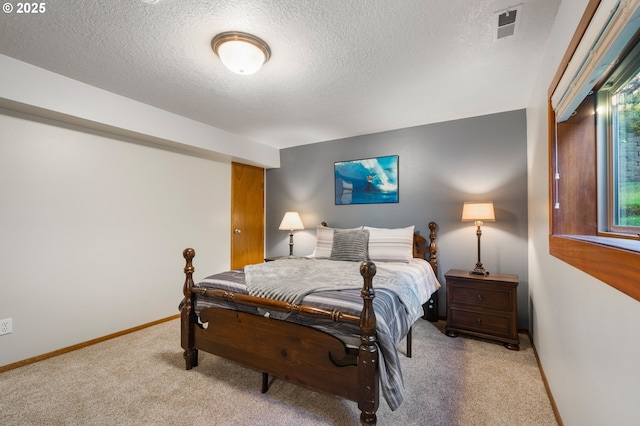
<point>608,263</point>
<point>611,260</point>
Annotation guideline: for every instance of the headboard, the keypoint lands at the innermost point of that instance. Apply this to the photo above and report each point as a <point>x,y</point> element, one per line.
<point>421,247</point>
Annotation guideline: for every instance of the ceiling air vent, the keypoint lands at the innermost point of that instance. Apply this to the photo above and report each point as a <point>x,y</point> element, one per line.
<point>506,21</point>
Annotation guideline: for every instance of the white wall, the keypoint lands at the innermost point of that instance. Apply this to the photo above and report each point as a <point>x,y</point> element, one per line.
<point>586,333</point>
<point>92,230</point>
<point>27,88</point>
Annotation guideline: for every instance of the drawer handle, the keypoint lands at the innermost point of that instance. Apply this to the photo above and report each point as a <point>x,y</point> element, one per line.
<point>479,298</point>
<point>479,321</point>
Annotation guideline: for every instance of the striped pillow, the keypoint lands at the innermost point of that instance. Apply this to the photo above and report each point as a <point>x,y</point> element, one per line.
<point>324,241</point>
<point>390,245</point>
<point>351,246</point>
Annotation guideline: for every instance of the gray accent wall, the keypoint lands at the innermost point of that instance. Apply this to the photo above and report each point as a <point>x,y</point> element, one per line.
<point>440,166</point>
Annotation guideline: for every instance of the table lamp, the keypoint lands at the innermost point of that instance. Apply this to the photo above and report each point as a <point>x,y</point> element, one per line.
<point>291,222</point>
<point>478,211</point>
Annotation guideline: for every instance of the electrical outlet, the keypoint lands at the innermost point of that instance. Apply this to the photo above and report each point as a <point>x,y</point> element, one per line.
<point>6,326</point>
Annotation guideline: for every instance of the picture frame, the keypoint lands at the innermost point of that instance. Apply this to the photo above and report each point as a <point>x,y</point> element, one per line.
<point>366,181</point>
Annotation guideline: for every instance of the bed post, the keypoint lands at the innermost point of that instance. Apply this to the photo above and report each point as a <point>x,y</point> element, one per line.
<point>368,375</point>
<point>433,248</point>
<point>188,318</point>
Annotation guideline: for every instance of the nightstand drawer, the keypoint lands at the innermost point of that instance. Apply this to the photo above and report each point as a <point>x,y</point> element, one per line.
<point>483,323</point>
<point>482,297</point>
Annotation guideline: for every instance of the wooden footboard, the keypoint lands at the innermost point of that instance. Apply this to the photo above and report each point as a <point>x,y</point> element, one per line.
<point>293,352</point>
<point>290,351</point>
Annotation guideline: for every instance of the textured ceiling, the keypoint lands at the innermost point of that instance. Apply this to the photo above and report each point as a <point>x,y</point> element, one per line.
<point>339,68</point>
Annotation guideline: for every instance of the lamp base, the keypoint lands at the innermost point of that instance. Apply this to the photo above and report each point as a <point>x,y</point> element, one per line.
<point>291,244</point>
<point>479,271</point>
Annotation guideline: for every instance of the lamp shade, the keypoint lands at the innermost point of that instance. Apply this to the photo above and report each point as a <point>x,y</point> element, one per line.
<point>291,222</point>
<point>478,210</point>
<point>242,53</point>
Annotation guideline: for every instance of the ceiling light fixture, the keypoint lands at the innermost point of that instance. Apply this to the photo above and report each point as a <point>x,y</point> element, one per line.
<point>242,53</point>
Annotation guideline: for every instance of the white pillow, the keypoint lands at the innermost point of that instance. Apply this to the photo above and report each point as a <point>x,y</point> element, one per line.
<point>391,245</point>
<point>324,241</point>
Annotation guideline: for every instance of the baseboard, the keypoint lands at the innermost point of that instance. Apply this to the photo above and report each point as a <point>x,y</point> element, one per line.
<point>554,407</point>
<point>82,345</point>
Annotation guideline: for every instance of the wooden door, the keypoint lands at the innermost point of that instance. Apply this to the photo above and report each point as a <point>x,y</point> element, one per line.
<point>247,215</point>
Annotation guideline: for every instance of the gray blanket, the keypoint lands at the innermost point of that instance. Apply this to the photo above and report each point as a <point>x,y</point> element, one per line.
<point>289,280</point>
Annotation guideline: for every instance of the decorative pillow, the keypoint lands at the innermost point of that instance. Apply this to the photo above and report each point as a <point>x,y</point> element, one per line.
<point>324,241</point>
<point>390,245</point>
<point>351,246</point>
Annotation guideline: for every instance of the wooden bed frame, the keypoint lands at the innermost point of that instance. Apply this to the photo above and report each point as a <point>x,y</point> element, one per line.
<point>297,353</point>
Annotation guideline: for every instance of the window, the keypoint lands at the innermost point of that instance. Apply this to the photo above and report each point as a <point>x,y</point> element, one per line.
<point>619,116</point>
<point>593,186</point>
<point>625,122</point>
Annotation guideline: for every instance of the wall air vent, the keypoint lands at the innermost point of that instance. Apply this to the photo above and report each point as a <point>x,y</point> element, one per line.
<point>506,21</point>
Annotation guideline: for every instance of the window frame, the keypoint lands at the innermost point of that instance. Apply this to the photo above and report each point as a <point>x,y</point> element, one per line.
<point>612,260</point>
<point>625,70</point>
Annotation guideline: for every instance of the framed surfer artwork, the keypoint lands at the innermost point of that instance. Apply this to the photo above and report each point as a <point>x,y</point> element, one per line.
<point>367,181</point>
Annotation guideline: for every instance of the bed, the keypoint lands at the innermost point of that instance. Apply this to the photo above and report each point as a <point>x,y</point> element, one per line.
<point>320,326</point>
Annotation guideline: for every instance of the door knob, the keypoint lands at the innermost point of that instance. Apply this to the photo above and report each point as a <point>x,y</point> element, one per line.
<point>237,231</point>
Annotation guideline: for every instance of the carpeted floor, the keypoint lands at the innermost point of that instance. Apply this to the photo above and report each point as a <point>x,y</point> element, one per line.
<point>139,379</point>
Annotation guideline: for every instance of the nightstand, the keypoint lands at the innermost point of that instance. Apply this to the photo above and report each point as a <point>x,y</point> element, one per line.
<point>483,306</point>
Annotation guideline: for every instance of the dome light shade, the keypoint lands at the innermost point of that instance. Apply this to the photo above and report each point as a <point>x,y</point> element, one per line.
<point>242,53</point>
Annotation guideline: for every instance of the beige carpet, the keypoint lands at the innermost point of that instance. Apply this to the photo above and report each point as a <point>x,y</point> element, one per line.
<point>139,379</point>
